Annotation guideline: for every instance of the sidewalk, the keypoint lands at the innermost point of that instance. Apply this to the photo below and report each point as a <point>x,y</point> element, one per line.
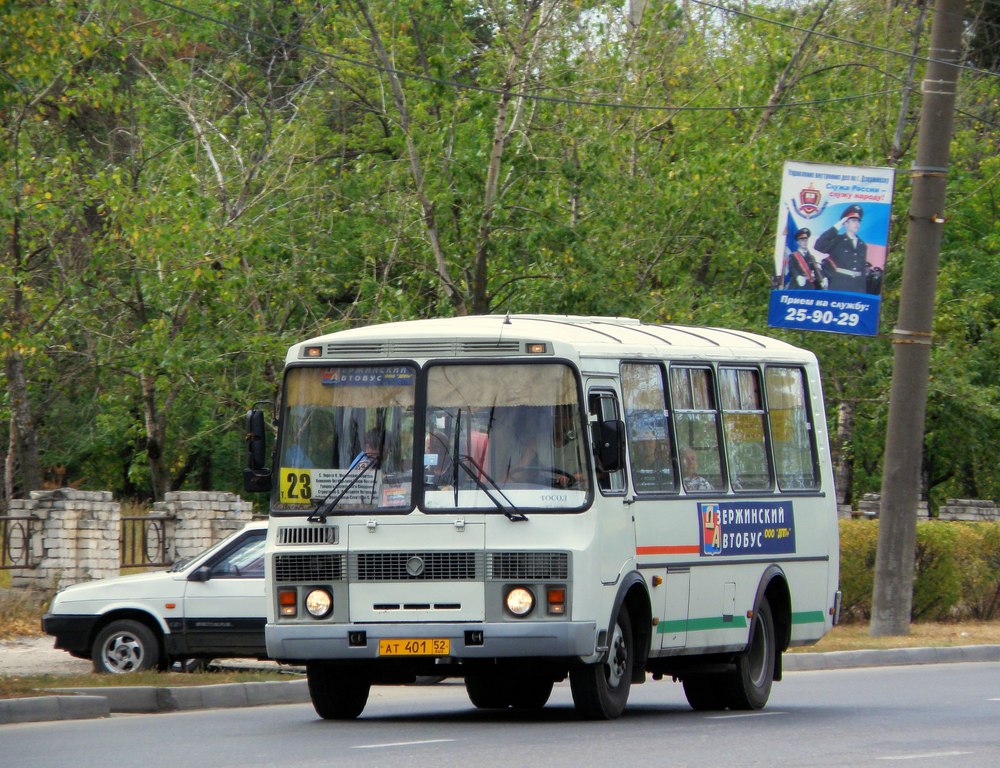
<point>84,703</point>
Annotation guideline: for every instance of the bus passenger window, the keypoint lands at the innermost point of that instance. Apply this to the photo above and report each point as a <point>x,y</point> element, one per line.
<point>651,454</point>
<point>792,434</point>
<point>743,421</point>
<point>696,421</point>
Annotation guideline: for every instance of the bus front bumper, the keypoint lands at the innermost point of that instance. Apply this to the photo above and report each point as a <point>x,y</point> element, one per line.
<point>305,642</point>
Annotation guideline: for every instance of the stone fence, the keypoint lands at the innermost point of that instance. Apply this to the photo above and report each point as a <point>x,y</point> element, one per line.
<point>76,535</point>
<point>973,510</point>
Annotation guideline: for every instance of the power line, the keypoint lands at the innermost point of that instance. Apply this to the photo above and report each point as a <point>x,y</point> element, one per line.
<point>837,38</point>
<point>527,95</point>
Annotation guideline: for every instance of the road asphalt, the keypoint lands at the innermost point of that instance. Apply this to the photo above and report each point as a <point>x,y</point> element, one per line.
<point>84,703</point>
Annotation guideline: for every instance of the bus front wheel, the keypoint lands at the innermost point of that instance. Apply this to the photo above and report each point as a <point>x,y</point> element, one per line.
<point>337,693</point>
<point>600,691</point>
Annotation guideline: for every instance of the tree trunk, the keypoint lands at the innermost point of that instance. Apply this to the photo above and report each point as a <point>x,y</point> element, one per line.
<point>785,79</point>
<point>22,426</point>
<point>843,461</point>
<point>458,299</point>
<point>158,475</point>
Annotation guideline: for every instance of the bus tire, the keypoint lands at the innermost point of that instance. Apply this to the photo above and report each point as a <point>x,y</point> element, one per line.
<point>487,691</point>
<point>754,673</point>
<point>530,693</point>
<point>337,693</point>
<point>600,691</point>
<point>706,693</point>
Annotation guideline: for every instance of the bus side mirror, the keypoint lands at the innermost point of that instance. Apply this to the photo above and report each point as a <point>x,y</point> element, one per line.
<point>609,445</point>
<point>257,476</point>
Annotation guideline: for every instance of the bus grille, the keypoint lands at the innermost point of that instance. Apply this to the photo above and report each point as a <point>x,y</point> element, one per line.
<point>528,565</point>
<point>416,566</point>
<point>312,534</point>
<point>316,568</point>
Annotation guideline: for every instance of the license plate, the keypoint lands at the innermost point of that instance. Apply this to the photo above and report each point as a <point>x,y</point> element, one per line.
<point>424,646</point>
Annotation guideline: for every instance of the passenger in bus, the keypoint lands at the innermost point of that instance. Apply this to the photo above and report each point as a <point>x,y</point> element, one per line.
<point>689,468</point>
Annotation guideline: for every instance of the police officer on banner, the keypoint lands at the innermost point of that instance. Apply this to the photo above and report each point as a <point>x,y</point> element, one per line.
<point>803,271</point>
<point>847,253</point>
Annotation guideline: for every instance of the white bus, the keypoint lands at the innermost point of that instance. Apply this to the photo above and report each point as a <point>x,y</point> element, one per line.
<point>517,500</point>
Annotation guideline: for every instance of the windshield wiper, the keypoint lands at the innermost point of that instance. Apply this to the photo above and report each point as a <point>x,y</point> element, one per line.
<point>475,472</point>
<point>363,462</point>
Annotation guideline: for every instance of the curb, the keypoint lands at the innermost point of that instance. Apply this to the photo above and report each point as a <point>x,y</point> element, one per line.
<point>89,703</point>
<point>86,703</point>
<point>890,657</point>
<point>44,708</point>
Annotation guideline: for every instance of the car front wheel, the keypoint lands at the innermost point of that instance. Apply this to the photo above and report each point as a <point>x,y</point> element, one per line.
<point>125,646</point>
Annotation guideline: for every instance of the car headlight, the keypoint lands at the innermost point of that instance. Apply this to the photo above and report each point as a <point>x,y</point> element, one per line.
<point>520,601</point>
<point>319,603</point>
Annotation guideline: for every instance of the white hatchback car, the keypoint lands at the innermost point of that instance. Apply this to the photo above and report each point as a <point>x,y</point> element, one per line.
<point>206,607</point>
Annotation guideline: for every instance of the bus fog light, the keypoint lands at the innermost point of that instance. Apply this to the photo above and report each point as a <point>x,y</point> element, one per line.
<point>319,603</point>
<point>520,601</point>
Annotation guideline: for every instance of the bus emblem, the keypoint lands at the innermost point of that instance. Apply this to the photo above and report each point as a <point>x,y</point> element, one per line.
<point>415,566</point>
<point>711,529</point>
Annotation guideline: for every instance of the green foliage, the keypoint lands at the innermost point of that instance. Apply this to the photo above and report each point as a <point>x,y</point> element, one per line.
<point>191,193</point>
<point>858,547</point>
<point>936,580</point>
<point>956,570</point>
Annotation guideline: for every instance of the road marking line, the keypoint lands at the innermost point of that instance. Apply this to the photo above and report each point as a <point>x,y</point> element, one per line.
<point>744,714</point>
<point>401,744</point>
<point>925,756</point>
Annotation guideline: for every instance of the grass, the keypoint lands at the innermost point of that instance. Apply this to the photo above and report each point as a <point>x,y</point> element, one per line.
<point>857,636</point>
<point>20,613</point>
<point>41,685</point>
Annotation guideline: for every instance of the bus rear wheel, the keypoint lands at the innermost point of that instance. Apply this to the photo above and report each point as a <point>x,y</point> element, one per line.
<point>337,692</point>
<point>600,691</point>
<point>751,681</point>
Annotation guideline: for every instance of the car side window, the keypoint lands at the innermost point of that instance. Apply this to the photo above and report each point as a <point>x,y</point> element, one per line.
<point>243,561</point>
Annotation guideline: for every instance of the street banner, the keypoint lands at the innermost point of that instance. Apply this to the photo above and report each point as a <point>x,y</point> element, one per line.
<point>830,248</point>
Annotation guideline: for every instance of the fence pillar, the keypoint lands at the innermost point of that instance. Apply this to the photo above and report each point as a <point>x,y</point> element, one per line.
<point>75,538</point>
<point>198,519</point>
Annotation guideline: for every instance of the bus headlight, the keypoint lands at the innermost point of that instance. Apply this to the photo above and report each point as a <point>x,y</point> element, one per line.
<point>319,603</point>
<point>520,601</point>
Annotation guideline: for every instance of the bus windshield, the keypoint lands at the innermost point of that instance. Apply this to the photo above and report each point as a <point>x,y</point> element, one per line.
<point>347,435</point>
<point>496,437</point>
<point>503,435</point>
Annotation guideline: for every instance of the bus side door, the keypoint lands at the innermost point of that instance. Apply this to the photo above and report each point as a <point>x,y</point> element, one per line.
<point>616,532</point>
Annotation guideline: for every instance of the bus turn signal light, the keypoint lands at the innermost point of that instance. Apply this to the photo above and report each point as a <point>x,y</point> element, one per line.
<point>287,603</point>
<point>557,600</point>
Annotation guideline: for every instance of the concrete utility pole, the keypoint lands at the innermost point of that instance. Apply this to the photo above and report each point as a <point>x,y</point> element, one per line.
<point>893,595</point>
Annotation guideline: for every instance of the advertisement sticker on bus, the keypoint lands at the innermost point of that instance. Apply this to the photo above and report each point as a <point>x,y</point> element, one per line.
<point>746,528</point>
